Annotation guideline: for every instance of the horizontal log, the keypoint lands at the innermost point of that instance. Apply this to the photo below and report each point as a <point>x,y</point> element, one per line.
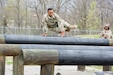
<point>67,57</point>
<point>26,39</point>
<point>9,50</point>
<point>64,47</point>
<point>39,57</point>
<point>13,50</point>
<point>2,40</point>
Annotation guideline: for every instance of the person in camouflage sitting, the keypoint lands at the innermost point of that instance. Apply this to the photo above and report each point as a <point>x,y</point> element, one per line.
<point>106,33</point>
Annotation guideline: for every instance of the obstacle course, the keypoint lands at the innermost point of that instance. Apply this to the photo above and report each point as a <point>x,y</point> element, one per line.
<point>50,51</point>
<point>26,39</point>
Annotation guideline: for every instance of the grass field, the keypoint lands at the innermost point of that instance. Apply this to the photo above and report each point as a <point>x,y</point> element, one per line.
<point>99,67</point>
<point>88,36</point>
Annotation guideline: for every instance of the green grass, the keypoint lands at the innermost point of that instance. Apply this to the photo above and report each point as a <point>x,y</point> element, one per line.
<point>9,63</point>
<point>88,36</point>
<point>9,60</point>
<point>99,67</point>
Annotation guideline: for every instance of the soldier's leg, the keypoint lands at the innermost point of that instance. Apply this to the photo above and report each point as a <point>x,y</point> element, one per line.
<point>61,26</point>
<point>56,30</point>
<point>59,31</point>
<point>68,26</point>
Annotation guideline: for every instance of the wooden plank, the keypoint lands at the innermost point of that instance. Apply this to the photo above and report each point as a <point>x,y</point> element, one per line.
<point>2,65</point>
<point>47,69</point>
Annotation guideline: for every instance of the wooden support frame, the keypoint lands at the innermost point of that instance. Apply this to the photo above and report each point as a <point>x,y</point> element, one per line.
<point>47,69</point>
<point>18,65</point>
<point>81,68</point>
<point>107,68</point>
<point>2,65</point>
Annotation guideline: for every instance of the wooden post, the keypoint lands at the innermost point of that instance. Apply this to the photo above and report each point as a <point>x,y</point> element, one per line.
<point>107,68</point>
<point>47,69</point>
<point>81,68</point>
<point>2,65</point>
<point>15,64</point>
<point>18,66</point>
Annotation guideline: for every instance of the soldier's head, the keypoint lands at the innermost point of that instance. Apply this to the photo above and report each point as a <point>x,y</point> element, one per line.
<point>106,27</point>
<point>50,11</point>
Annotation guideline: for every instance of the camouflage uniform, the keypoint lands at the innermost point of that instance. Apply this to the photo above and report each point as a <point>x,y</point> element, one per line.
<point>54,23</point>
<point>107,34</point>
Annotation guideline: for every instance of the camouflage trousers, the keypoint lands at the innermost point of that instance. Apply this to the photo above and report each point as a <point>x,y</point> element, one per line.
<point>61,27</point>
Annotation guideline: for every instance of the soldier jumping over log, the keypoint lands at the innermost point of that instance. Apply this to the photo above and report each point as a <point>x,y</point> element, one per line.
<point>51,21</point>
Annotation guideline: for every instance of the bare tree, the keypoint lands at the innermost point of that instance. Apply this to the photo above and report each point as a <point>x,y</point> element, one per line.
<point>80,9</point>
<point>73,11</point>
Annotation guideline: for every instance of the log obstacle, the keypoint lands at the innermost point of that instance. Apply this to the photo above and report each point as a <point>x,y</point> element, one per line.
<point>66,57</point>
<point>22,42</point>
<point>26,39</point>
<point>63,47</point>
<point>48,58</point>
<point>14,49</point>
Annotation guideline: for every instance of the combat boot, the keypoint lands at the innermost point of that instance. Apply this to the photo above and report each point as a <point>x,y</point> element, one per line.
<point>73,26</point>
<point>70,27</point>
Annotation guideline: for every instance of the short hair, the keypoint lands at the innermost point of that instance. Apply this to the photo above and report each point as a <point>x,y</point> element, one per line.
<point>108,27</point>
<point>49,9</point>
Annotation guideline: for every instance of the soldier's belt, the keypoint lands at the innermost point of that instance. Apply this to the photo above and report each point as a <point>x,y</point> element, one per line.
<point>52,26</point>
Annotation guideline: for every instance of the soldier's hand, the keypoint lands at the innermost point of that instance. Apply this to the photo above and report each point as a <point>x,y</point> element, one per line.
<point>62,34</point>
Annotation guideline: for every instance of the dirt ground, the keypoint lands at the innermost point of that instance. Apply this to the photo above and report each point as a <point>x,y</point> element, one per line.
<point>64,70</point>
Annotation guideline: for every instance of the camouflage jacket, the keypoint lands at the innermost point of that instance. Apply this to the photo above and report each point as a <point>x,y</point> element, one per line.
<point>107,34</point>
<point>50,22</point>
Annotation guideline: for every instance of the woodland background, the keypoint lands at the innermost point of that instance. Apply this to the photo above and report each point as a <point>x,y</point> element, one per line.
<point>87,14</point>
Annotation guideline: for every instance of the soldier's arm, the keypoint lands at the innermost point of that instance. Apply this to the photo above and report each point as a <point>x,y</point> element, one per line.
<point>101,34</point>
<point>110,34</point>
<point>44,26</point>
<point>58,17</point>
<point>66,24</point>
